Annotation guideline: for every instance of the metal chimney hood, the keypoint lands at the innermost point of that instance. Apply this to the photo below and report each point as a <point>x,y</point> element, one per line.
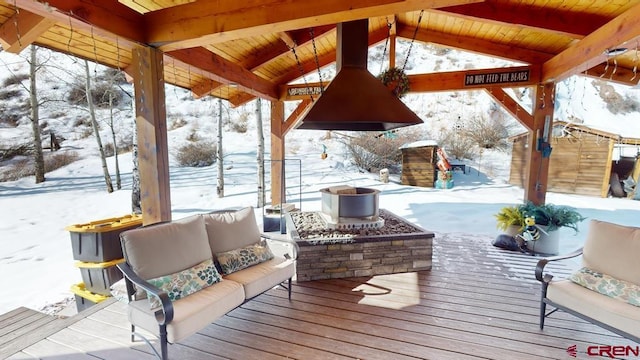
<point>355,99</point>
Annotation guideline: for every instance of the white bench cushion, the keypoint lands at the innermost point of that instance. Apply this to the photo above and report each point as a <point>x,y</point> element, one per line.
<point>261,277</point>
<point>191,313</point>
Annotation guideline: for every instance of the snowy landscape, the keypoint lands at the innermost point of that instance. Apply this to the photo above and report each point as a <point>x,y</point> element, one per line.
<point>36,263</point>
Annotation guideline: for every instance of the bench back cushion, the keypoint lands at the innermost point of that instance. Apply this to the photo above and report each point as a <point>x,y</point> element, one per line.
<point>613,250</point>
<point>166,248</point>
<point>230,230</point>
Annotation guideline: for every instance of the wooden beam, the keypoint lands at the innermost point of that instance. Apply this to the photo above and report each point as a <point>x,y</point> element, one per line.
<point>240,99</point>
<point>530,16</point>
<point>278,194</point>
<point>613,73</point>
<point>227,72</point>
<point>590,51</point>
<point>457,80</point>
<point>204,88</point>
<point>536,179</point>
<point>475,45</point>
<point>296,115</point>
<point>204,22</point>
<point>325,59</point>
<point>287,39</point>
<point>151,124</point>
<point>606,179</point>
<point>106,18</point>
<point>511,106</point>
<point>441,81</point>
<point>22,29</point>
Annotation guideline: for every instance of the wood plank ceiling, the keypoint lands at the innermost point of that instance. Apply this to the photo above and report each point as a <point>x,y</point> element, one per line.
<point>238,50</point>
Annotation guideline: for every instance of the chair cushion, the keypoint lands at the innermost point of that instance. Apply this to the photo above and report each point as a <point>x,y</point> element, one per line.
<point>238,259</point>
<point>259,278</point>
<point>231,230</point>
<point>191,313</point>
<point>166,248</point>
<point>596,306</point>
<point>613,250</point>
<point>607,285</point>
<point>185,282</point>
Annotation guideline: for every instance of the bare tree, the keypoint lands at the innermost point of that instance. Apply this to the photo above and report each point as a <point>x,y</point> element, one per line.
<point>35,116</point>
<point>260,154</point>
<point>220,187</point>
<point>94,124</point>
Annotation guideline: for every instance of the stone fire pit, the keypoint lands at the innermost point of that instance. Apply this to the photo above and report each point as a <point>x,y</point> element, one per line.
<point>399,246</point>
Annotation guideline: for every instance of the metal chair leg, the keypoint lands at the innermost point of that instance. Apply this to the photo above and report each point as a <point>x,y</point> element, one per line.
<point>289,288</point>
<point>543,309</point>
<point>163,342</point>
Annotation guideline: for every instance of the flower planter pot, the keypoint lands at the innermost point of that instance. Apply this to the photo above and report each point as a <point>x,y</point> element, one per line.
<point>513,230</point>
<point>547,244</point>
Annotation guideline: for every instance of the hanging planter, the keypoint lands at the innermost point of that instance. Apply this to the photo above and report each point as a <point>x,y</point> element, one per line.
<point>396,80</point>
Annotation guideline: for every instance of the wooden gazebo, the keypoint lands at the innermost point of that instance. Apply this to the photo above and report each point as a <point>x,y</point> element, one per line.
<point>239,50</point>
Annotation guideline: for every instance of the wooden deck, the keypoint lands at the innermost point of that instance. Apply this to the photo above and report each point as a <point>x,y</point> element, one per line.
<point>478,302</point>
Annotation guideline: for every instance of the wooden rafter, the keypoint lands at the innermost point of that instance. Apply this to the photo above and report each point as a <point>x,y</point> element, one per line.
<point>475,45</point>
<point>22,29</point>
<point>613,73</point>
<point>590,51</point>
<point>511,106</point>
<point>296,115</point>
<point>532,16</point>
<point>202,23</point>
<point>227,72</point>
<point>107,18</point>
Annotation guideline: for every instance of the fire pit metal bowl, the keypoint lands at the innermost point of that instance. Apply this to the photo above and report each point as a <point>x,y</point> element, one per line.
<point>350,202</point>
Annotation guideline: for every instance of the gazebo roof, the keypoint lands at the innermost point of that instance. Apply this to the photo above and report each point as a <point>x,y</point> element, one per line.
<point>238,50</point>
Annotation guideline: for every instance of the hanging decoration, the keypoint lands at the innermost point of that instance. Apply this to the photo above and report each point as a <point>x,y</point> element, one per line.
<point>396,80</point>
<point>324,152</point>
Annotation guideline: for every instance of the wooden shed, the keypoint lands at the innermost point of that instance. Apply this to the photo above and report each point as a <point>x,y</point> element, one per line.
<point>419,163</point>
<point>583,161</point>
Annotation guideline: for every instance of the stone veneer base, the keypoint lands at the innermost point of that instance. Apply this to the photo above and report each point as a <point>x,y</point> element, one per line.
<point>360,255</point>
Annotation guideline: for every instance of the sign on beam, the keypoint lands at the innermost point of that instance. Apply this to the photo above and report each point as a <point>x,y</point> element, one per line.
<point>301,91</point>
<point>496,77</point>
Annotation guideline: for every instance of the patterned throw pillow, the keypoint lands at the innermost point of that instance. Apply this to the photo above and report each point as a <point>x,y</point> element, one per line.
<point>185,282</point>
<point>607,285</point>
<point>238,259</point>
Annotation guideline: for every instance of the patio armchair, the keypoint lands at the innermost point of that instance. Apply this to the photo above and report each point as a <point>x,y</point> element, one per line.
<point>606,289</point>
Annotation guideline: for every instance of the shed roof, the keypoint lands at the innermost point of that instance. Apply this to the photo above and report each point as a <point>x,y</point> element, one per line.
<point>419,144</point>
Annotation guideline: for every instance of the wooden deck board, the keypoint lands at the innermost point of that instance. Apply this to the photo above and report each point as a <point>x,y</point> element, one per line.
<point>478,302</point>
<point>19,322</point>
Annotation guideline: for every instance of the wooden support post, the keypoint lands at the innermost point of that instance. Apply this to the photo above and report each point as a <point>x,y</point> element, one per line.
<point>606,180</point>
<point>535,186</point>
<point>278,195</point>
<point>151,124</point>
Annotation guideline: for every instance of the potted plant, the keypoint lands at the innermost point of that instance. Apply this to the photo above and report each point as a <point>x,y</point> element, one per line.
<point>510,220</point>
<point>553,216</point>
<point>548,219</point>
